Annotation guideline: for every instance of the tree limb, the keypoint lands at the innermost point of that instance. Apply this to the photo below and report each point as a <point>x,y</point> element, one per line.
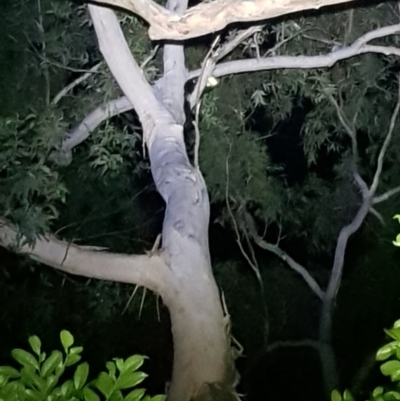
<point>124,68</point>
<point>122,104</point>
<point>84,261</point>
<point>297,267</point>
<point>211,16</point>
<point>386,195</point>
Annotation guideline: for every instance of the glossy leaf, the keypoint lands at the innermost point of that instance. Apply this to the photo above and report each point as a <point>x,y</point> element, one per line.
<point>386,351</point>
<point>30,378</point>
<point>9,372</point>
<point>67,339</point>
<point>105,384</point>
<point>67,388</point>
<point>135,395</point>
<point>120,364</point>
<point>81,375</point>
<point>116,396</point>
<point>129,379</point>
<point>347,396</point>
<point>51,363</point>
<point>75,350</point>
<point>35,344</point>
<point>111,369</point>
<point>25,358</point>
<point>391,367</point>
<point>134,362</point>
<point>336,396</point>
<point>90,395</point>
<point>160,397</point>
<point>72,359</point>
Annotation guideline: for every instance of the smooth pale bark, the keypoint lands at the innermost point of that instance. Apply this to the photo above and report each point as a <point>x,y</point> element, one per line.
<point>202,354</point>
<point>211,16</point>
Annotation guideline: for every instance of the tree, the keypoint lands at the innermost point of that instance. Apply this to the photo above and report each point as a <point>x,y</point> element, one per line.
<point>180,272</point>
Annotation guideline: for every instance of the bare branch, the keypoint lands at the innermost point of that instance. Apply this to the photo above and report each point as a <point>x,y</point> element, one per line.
<point>122,104</point>
<point>76,82</point>
<point>386,143</point>
<point>347,231</point>
<point>297,267</point>
<point>88,262</point>
<point>212,16</point>
<point>307,62</point>
<point>386,195</point>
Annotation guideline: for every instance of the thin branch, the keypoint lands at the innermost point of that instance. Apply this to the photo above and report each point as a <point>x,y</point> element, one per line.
<point>386,143</point>
<point>307,62</point>
<point>385,196</point>
<point>253,266</point>
<point>297,267</point>
<point>76,82</point>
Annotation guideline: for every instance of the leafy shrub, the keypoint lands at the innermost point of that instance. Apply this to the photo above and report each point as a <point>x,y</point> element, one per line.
<point>390,353</point>
<point>39,378</point>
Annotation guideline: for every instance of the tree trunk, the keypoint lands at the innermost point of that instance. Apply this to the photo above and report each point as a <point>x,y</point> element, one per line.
<point>201,344</point>
<point>326,351</point>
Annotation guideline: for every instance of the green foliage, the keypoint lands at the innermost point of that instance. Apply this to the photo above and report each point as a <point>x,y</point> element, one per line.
<point>29,187</point>
<point>390,353</point>
<point>40,376</point>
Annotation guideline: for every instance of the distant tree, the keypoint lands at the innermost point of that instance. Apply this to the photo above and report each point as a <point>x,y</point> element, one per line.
<point>292,61</point>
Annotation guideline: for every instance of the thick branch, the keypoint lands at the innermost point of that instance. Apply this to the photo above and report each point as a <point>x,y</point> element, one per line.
<point>122,104</point>
<point>83,261</point>
<point>212,16</point>
<point>124,68</point>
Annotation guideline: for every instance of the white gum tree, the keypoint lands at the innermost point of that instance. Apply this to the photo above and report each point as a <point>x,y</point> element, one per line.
<point>180,270</point>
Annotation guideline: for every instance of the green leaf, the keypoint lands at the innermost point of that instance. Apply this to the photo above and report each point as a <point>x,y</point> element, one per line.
<point>33,394</point>
<point>116,396</point>
<point>159,397</point>
<point>135,395</point>
<point>71,359</point>
<point>347,396</point>
<point>120,364</point>
<point>67,388</point>
<point>105,384</point>
<point>81,375</point>
<point>76,350</point>
<point>336,396</point>
<point>90,395</point>
<point>9,372</point>
<point>389,368</point>
<point>35,344</point>
<point>378,391</point>
<point>25,358</point>
<point>386,351</point>
<point>394,333</point>
<point>111,369</point>
<point>392,395</point>
<point>30,378</point>
<point>51,381</point>
<point>51,363</point>
<point>129,379</point>
<point>67,339</point>
<point>134,362</point>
